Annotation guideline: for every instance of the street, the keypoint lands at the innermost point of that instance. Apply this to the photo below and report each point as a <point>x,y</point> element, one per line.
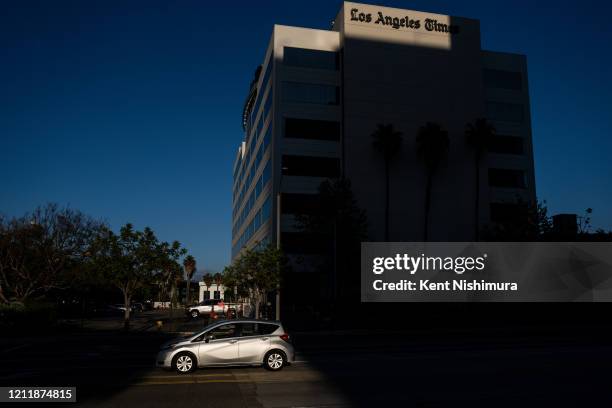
<point>509,367</point>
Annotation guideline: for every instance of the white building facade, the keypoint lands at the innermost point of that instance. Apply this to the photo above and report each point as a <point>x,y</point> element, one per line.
<point>213,291</point>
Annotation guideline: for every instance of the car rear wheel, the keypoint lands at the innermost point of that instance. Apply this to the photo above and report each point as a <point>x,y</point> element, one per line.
<point>184,363</point>
<point>275,360</point>
<point>195,313</point>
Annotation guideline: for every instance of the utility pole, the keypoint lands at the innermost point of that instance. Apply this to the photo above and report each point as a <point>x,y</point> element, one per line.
<point>278,245</point>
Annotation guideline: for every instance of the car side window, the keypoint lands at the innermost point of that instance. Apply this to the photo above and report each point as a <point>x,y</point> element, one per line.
<point>225,331</point>
<point>248,329</point>
<point>266,328</point>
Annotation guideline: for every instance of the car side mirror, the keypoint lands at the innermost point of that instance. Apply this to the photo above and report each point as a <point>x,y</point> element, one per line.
<point>208,338</point>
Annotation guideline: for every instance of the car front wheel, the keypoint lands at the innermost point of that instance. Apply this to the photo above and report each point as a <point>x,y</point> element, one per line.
<point>184,363</point>
<point>195,313</point>
<point>275,360</point>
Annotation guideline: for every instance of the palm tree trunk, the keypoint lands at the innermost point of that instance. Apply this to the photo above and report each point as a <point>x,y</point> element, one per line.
<point>427,206</point>
<point>477,203</point>
<point>188,297</point>
<point>387,200</point>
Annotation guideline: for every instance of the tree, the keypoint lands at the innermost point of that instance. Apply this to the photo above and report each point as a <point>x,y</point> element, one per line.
<point>208,280</point>
<point>432,146</point>
<point>256,272</point>
<point>40,251</point>
<point>131,259</point>
<point>528,221</point>
<point>190,267</point>
<point>478,136</point>
<point>584,224</point>
<point>338,216</point>
<point>387,141</point>
<point>170,270</point>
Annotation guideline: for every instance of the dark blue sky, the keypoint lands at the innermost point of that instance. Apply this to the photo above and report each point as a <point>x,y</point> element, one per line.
<point>130,111</point>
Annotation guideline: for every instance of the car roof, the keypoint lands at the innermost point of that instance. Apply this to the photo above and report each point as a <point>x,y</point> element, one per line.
<point>249,321</point>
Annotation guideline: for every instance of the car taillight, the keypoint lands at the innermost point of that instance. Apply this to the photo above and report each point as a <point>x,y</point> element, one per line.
<point>285,337</point>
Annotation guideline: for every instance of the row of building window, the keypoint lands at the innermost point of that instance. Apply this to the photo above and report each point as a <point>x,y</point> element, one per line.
<point>249,171</point>
<point>296,128</point>
<point>261,217</point>
<point>329,167</point>
<point>253,137</point>
<point>264,84</point>
<point>307,58</point>
<point>253,196</point>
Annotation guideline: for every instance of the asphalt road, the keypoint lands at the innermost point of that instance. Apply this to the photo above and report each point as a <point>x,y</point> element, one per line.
<point>505,368</point>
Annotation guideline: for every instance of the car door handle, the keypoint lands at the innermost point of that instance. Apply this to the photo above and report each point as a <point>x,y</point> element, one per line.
<point>265,338</point>
<point>233,341</point>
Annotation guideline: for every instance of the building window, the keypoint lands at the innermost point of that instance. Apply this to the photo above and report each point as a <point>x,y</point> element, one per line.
<point>305,58</point>
<point>266,210</point>
<point>206,295</point>
<point>312,129</point>
<point>301,204</point>
<point>310,166</point>
<point>300,92</point>
<point>507,145</point>
<point>266,174</point>
<point>495,78</point>
<point>507,178</point>
<point>507,112</point>
<point>217,294</point>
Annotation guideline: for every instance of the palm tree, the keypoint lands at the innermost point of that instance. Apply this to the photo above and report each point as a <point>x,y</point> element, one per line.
<point>208,280</point>
<point>478,136</point>
<point>388,141</point>
<point>432,145</point>
<point>190,267</point>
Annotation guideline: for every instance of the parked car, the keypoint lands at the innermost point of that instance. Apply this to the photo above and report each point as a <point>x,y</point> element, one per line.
<point>138,307</point>
<point>206,307</point>
<point>228,343</point>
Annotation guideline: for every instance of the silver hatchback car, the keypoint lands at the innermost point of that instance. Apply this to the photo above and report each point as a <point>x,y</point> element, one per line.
<point>230,342</point>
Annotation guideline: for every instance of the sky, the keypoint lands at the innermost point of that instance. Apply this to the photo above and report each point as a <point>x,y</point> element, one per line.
<point>130,111</point>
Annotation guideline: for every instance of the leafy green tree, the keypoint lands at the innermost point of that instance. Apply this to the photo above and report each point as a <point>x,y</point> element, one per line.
<point>478,136</point>
<point>256,272</point>
<point>43,251</point>
<point>190,267</point>
<point>527,222</point>
<point>387,141</point>
<point>132,259</point>
<point>432,146</point>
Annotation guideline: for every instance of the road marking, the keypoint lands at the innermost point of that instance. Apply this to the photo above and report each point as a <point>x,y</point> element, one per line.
<point>19,346</point>
<point>215,382</point>
<point>190,376</point>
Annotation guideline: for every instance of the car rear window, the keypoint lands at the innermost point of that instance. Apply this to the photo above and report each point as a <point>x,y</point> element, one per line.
<point>257,329</point>
<point>266,328</point>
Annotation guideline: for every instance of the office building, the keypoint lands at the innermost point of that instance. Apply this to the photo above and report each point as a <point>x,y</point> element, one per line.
<point>319,95</point>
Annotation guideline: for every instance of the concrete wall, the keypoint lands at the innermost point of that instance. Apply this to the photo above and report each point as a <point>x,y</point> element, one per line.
<point>407,77</point>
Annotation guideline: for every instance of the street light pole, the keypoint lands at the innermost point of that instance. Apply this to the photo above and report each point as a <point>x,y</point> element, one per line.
<point>278,245</point>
